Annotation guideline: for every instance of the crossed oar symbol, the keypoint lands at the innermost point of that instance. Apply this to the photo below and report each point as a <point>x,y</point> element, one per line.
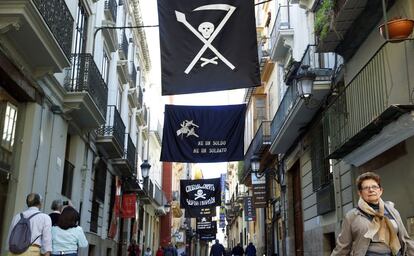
<point>207,43</point>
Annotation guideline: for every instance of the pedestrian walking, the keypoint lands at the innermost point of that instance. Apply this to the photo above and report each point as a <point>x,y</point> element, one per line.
<point>133,249</point>
<point>374,227</point>
<point>67,236</point>
<point>237,250</point>
<point>35,223</point>
<point>56,207</point>
<point>160,252</point>
<point>250,250</point>
<point>148,252</point>
<point>217,249</point>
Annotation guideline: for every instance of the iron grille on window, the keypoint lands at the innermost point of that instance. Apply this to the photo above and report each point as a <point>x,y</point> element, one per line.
<point>321,175</point>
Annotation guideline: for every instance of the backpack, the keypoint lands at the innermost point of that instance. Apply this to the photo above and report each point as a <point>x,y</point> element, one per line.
<point>21,235</point>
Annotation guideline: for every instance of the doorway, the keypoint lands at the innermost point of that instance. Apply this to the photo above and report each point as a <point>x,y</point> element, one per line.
<point>297,209</point>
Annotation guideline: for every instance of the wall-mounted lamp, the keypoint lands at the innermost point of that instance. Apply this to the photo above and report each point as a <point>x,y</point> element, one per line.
<point>255,166</point>
<point>304,82</point>
<point>145,167</point>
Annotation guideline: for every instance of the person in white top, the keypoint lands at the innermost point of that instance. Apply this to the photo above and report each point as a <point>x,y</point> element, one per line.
<point>148,252</point>
<point>40,226</point>
<point>67,236</point>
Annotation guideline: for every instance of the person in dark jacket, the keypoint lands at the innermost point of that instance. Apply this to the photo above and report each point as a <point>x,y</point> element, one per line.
<point>237,250</point>
<point>217,249</point>
<point>250,250</point>
<point>56,207</point>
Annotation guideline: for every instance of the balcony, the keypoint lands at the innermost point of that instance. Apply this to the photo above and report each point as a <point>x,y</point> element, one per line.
<point>126,165</point>
<point>258,146</point>
<point>111,10</point>
<point>282,33</point>
<point>39,32</point>
<point>122,65</point>
<point>87,92</point>
<point>142,116</point>
<point>352,22</point>
<point>378,94</point>
<point>133,77</point>
<point>110,136</point>
<point>158,132</point>
<point>294,113</point>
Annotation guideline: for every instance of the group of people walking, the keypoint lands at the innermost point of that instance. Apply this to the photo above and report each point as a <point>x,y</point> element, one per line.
<point>33,233</point>
<point>217,249</point>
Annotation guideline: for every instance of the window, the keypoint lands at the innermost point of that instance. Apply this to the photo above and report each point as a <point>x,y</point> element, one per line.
<point>68,170</point>
<point>105,67</point>
<point>9,127</point>
<point>81,30</point>
<point>79,44</point>
<point>321,171</point>
<point>99,182</point>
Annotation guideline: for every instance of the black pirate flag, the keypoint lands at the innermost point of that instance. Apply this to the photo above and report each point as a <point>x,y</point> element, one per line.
<point>207,45</point>
<point>199,194</point>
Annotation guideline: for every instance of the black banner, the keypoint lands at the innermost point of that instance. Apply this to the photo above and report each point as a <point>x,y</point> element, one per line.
<point>200,193</point>
<point>202,134</point>
<point>205,225</point>
<point>207,46</point>
<point>199,212</point>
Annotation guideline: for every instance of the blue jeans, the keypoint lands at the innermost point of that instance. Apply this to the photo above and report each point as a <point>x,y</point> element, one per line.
<point>70,254</point>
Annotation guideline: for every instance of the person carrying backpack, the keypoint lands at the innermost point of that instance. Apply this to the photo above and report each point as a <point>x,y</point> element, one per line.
<point>30,231</point>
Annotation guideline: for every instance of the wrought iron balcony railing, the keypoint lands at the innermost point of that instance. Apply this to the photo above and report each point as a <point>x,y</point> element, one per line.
<point>112,7</point>
<point>84,76</point>
<point>371,93</point>
<point>258,145</point>
<point>289,100</point>
<point>59,20</point>
<point>114,126</point>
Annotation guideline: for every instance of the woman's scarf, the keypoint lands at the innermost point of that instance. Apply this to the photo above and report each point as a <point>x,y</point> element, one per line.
<point>382,225</point>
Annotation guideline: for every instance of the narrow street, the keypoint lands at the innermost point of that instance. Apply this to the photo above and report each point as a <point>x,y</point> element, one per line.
<point>206,128</point>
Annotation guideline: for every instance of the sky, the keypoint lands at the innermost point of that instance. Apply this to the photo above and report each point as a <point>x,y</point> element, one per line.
<point>150,17</point>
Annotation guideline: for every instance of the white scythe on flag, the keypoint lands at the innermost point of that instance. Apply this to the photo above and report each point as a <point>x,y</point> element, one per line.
<point>207,43</point>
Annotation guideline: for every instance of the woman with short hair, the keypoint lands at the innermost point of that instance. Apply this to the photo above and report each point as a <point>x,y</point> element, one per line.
<point>374,227</point>
<point>67,236</point>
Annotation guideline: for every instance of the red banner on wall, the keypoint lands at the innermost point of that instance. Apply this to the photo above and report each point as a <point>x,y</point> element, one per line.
<point>128,205</point>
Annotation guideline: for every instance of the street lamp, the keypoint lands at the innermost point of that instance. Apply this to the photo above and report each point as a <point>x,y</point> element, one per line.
<point>145,167</point>
<point>304,82</point>
<point>255,166</point>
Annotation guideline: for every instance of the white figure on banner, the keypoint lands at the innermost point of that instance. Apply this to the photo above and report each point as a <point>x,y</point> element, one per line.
<point>187,128</point>
<point>199,194</point>
<point>207,34</point>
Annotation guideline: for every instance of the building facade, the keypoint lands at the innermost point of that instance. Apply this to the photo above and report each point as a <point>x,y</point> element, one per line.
<point>74,121</point>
